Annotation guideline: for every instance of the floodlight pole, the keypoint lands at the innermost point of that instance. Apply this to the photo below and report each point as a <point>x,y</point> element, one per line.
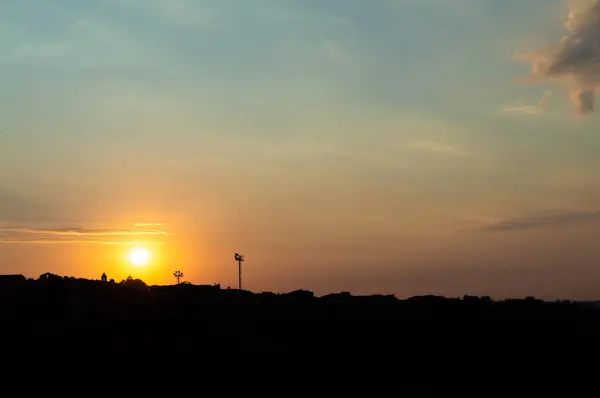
<point>240,274</point>
<point>239,258</point>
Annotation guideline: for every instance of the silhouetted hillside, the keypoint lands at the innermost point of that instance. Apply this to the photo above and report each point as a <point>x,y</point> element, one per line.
<point>78,315</point>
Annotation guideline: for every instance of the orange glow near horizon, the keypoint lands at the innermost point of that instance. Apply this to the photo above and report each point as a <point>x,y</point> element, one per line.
<point>140,260</point>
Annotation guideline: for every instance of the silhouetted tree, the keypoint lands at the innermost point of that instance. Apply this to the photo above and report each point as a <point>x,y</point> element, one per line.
<point>49,277</point>
<point>178,275</point>
<point>139,282</point>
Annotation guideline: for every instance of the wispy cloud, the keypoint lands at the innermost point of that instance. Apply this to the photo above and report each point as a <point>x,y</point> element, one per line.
<point>334,51</point>
<point>149,224</point>
<point>530,110</point>
<point>289,13</point>
<point>543,220</point>
<point>70,241</point>
<point>71,235</point>
<point>441,148</point>
<point>89,39</point>
<point>181,12</point>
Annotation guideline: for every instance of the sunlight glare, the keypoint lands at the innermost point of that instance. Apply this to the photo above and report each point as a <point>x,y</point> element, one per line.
<point>139,257</point>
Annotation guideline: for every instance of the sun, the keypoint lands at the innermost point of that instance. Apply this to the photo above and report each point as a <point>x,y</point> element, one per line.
<point>139,257</point>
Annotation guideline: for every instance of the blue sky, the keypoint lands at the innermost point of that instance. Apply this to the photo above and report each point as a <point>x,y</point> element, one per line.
<point>338,134</point>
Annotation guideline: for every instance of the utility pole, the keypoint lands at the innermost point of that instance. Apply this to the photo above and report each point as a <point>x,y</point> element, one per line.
<point>239,258</point>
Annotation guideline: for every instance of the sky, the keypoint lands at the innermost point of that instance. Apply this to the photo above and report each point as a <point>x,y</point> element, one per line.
<point>382,146</point>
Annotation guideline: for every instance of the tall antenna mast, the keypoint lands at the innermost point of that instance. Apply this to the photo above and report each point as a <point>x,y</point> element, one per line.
<point>239,258</point>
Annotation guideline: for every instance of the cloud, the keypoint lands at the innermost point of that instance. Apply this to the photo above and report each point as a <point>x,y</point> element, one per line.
<point>334,51</point>
<point>70,241</point>
<point>89,39</point>
<point>180,12</point>
<point>529,110</point>
<point>71,234</point>
<point>148,224</point>
<point>290,13</point>
<point>440,147</point>
<point>575,60</point>
<point>80,231</point>
<point>544,220</point>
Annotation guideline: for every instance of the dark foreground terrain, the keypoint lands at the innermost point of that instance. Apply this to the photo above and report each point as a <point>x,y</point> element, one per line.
<point>66,316</point>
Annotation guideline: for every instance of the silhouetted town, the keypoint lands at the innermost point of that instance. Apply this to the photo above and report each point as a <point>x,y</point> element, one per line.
<point>131,317</point>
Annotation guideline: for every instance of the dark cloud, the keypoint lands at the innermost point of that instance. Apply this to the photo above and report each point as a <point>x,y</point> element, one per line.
<point>575,60</point>
<point>544,220</point>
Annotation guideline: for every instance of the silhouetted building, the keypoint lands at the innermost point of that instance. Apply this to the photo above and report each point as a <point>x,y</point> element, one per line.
<point>301,294</point>
<point>103,278</point>
<point>8,281</point>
